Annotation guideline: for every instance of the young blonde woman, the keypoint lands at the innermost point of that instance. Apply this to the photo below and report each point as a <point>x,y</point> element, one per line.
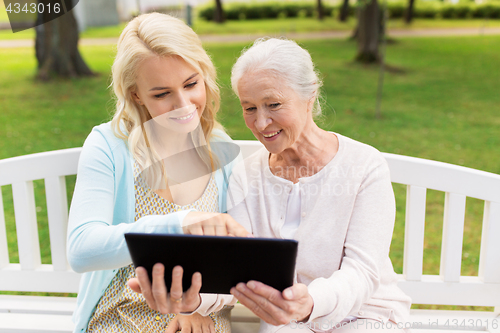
<point>160,166</point>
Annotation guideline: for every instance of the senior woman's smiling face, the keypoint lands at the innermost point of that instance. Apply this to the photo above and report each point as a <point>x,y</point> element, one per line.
<point>274,112</point>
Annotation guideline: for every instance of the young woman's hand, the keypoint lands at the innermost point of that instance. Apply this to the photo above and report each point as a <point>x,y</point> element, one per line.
<point>212,224</point>
<point>167,301</point>
<point>194,323</point>
<point>273,306</point>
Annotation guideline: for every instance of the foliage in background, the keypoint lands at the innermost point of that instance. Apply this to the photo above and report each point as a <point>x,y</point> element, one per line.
<point>396,9</point>
<point>263,10</point>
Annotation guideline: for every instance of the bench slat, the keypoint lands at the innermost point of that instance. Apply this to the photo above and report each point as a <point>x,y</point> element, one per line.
<point>37,304</point>
<point>55,163</point>
<point>39,323</point>
<point>25,213</point>
<point>489,259</point>
<point>414,232</point>
<point>470,290</point>
<point>453,234</point>
<point>42,279</point>
<point>4,246</point>
<point>57,211</point>
<point>444,177</point>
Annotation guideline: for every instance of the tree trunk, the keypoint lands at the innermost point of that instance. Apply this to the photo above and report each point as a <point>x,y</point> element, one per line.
<point>321,14</point>
<point>56,47</point>
<point>409,11</point>
<point>368,34</point>
<point>344,11</point>
<point>219,16</point>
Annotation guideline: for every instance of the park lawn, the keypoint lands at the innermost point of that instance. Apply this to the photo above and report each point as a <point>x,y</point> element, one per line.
<point>444,107</point>
<point>276,27</point>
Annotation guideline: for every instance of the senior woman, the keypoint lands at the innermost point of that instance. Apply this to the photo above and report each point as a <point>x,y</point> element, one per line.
<point>330,193</point>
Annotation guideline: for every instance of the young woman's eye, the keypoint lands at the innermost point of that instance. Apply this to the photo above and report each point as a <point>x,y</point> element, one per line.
<point>192,84</point>
<point>162,94</point>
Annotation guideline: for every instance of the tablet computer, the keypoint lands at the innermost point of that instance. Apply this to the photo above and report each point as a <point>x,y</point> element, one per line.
<point>222,261</point>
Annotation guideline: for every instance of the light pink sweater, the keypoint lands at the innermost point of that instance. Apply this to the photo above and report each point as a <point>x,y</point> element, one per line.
<point>347,220</point>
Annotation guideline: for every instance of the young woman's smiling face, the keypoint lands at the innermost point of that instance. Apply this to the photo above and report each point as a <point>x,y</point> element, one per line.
<point>172,91</point>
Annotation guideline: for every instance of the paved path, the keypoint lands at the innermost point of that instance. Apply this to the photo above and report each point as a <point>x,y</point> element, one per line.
<point>296,36</point>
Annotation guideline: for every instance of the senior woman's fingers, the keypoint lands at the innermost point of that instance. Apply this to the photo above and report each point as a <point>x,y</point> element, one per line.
<point>294,303</point>
<point>299,301</point>
<point>259,305</point>
<point>273,296</point>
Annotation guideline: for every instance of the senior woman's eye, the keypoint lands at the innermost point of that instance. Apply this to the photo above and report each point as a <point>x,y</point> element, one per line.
<point>274,105</point>
<point>250,109</point>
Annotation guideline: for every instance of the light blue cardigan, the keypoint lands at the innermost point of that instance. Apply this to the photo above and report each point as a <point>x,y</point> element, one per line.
<point>102,211</point>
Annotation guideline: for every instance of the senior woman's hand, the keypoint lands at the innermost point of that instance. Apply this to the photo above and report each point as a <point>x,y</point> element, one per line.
<point>272,306</point>
<point>159,298</point>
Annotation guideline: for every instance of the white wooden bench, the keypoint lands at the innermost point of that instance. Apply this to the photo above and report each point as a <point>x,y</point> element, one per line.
<point>53,314</point>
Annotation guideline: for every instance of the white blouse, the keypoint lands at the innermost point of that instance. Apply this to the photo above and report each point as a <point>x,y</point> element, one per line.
<point>292,218</point>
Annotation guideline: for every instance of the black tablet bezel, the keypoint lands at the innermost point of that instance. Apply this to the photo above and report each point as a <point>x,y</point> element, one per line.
<point>222,261</point>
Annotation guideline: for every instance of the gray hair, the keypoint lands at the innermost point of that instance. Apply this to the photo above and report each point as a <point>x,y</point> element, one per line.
<point>286,59</point>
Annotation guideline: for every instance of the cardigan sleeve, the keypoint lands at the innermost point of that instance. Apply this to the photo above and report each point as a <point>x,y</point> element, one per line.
<point>366,249</point>
<point>95,232</point>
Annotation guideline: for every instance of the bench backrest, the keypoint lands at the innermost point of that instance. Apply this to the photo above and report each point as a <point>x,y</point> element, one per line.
<point>449,287</point>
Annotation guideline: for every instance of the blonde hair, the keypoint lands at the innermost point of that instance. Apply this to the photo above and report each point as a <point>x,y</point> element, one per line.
<point>161,35</point>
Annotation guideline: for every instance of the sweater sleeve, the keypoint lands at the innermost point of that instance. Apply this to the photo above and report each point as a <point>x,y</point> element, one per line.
<point>366,249</point>
<point>95,232</point>
<point>213,303</point>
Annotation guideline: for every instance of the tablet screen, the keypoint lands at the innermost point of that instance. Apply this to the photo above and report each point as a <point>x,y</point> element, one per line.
<point>222,261</point>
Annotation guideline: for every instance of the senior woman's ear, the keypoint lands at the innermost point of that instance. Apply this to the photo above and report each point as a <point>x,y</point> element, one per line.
<point>310,102</point>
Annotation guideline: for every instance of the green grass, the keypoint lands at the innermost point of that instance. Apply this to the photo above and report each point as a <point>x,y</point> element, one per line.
<point>275,26</point>
<point>444,107</point>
